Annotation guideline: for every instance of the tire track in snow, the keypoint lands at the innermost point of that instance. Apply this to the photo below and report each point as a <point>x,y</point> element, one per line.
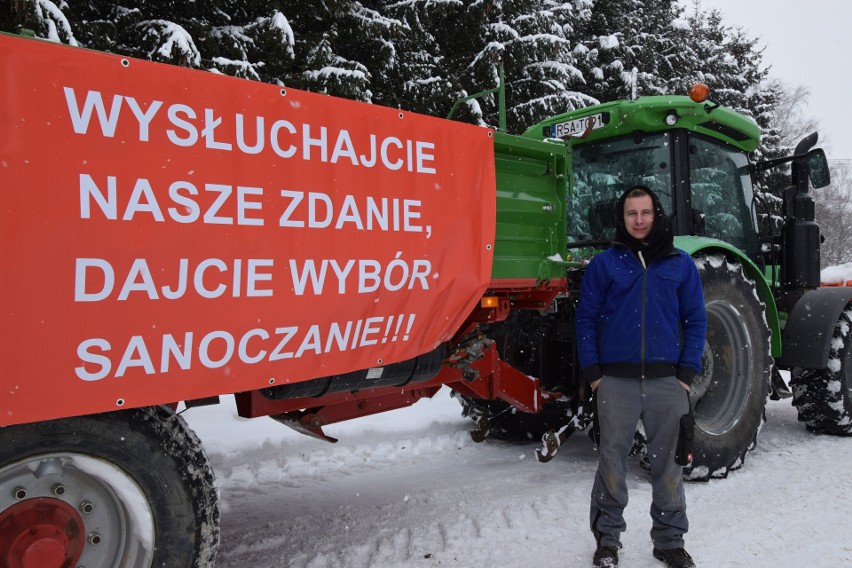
<point>347,513</point>
<point>432,504</point>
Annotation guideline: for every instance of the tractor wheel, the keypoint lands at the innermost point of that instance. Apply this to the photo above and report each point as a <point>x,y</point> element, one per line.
<point>130,488</point>
<point>824,397</point>
<point>729,396</point>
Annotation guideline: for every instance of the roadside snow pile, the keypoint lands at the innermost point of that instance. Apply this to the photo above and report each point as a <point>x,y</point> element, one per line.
<point>837,274</point>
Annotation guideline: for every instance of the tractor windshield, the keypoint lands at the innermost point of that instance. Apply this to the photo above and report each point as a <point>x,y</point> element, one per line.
<point>722,194</point>
<point>604,170</point>
<point>718,204</point>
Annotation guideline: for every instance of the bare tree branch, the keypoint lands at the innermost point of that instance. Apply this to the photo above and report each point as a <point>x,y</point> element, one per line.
<point>834,215</point>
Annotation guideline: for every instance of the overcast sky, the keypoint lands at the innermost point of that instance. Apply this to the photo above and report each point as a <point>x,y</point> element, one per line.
<point>807,43</point>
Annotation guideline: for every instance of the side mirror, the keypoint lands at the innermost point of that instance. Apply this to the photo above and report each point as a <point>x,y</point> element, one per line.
<point>818,168</point>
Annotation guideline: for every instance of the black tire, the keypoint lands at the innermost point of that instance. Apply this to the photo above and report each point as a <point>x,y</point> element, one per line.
<point>729,396</point>
<point>131,488</point>
<point>824,397</point>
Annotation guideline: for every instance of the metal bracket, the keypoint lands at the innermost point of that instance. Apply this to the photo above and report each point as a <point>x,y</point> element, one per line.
<point>305,423</point>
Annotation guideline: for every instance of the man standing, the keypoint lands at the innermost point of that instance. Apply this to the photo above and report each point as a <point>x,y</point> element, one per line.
<point>641,327</point>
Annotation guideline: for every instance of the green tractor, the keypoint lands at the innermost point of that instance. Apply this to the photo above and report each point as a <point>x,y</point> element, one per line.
<point>765,307</point>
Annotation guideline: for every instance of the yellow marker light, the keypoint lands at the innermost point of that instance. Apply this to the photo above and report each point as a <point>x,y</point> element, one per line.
<point>489,302</point>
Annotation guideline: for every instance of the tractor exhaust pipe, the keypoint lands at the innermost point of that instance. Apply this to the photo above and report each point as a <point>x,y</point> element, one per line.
<point>801,263</point>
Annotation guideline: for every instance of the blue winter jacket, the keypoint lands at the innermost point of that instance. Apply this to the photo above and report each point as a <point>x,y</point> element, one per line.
<point>634,321</point>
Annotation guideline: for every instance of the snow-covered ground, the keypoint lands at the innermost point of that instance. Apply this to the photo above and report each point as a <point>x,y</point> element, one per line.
<point>409,488</point>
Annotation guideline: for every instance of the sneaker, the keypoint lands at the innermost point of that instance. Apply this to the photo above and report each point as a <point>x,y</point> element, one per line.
<point>674,558</point>
<point>606,556</point>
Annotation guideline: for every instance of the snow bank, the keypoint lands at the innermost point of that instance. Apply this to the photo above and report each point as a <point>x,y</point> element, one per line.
<point>841,273</point>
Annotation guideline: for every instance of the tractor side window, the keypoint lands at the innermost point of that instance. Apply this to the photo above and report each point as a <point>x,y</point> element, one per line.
<point>602,171</point>
<point>721,194</point>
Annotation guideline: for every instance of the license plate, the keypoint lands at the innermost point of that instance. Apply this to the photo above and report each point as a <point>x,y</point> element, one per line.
<point>577,127</point>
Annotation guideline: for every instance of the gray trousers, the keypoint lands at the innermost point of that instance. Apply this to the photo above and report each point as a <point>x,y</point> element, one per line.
<point>660,402</point>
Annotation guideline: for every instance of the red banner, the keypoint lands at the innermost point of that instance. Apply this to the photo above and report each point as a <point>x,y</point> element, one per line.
<point>170,234</point>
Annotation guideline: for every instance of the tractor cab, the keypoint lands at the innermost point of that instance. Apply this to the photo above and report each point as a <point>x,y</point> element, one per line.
<point>695,155</point>
<point>703,184</point>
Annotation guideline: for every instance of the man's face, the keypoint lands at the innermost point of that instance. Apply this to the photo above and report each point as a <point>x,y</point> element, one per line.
<point>639,216</point>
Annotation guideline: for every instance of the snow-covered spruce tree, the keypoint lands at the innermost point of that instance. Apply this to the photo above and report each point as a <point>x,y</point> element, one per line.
<point>251,39</point>
<point>246,38</point>
<point>620,37</point>
<point>732,66</point>
<point>453,50</point>
<point>341,47</point>
<point>435,54</point>
<point>536,45</point>
<point>155,30</point>
<point>420,81</point>
<point>46,18</point>
<point>664,47</point>
<point>423,55</point>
